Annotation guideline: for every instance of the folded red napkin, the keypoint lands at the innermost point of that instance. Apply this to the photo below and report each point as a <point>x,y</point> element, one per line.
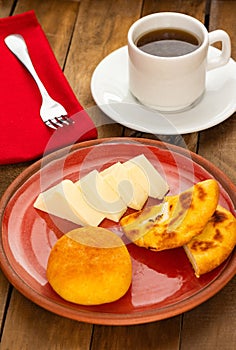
<point>23,135</point>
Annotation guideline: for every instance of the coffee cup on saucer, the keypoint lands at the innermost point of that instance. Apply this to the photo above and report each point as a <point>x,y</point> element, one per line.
<point>168,60</point>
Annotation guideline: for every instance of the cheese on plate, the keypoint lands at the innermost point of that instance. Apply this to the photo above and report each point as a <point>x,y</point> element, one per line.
<point>123,180</point>
<point>101,196</point>
<point>147,176</point>
<point>66,201</point>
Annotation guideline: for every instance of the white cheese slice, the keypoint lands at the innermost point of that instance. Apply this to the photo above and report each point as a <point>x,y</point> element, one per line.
<point>139,185</point>
<point>122,179</point>
<point>118,178</point>
<point>101,196</point>
<point>150,179</point>
<point>65,200</point>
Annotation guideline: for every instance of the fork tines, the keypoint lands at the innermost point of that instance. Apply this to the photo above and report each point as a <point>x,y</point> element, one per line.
<point>59,122</point>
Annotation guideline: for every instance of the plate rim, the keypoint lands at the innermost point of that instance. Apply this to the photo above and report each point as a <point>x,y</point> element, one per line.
<point>108,318</point>
<point>179,129</point>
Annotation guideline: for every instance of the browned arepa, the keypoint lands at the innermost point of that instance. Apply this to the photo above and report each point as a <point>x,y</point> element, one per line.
<point>215,243</point>
<point>176,220</point>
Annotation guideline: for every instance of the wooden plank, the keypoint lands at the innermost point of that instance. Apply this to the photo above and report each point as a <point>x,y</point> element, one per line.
<point>223,17</point>
<point>40,329</point>
<point>57,19</point>
<point>192,8</point>
<point>212,325</point>
<point>4,292</point>
<point>6,7</point>
<point>7,175</point>
<point>154,336</point>
<point>101,28</point>
<point>218,144</point>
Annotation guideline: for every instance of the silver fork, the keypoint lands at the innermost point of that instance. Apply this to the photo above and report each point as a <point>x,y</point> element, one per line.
<point>52,113</point>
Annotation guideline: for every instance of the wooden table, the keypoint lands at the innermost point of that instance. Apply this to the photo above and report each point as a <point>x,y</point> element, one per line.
<point>81,34</point>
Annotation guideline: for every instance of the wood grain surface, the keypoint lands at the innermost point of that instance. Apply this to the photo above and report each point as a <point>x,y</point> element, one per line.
<point>81,34</point>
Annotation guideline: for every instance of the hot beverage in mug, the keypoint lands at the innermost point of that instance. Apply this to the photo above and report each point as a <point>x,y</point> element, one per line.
<point>168,42</point>
<point>168,59</point>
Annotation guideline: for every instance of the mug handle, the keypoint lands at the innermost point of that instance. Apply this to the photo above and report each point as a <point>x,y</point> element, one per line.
<point>223,58</point>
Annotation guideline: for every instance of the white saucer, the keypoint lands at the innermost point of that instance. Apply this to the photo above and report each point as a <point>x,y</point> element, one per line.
<point>109,87</point>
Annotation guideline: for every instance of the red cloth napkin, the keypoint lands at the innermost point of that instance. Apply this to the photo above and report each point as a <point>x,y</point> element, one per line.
<point>23,135</point>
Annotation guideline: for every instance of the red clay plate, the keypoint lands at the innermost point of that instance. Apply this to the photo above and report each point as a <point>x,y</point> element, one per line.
<point>163,283</point>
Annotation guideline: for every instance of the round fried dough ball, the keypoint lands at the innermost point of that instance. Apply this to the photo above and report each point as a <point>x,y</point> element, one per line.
<point>90,266</point>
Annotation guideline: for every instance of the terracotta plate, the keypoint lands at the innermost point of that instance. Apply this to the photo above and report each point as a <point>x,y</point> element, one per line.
<point>163,283</point>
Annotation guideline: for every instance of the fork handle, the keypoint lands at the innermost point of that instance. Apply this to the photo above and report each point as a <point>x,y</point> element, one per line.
<point>17,45</point>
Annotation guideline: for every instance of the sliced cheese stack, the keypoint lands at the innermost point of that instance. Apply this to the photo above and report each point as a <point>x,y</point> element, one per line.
<point>105,194</point>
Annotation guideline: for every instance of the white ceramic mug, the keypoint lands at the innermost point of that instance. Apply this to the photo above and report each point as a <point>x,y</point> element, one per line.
<point>173,83</point>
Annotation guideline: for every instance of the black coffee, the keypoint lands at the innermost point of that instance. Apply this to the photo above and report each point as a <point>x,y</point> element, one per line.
<point>168,42</point>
